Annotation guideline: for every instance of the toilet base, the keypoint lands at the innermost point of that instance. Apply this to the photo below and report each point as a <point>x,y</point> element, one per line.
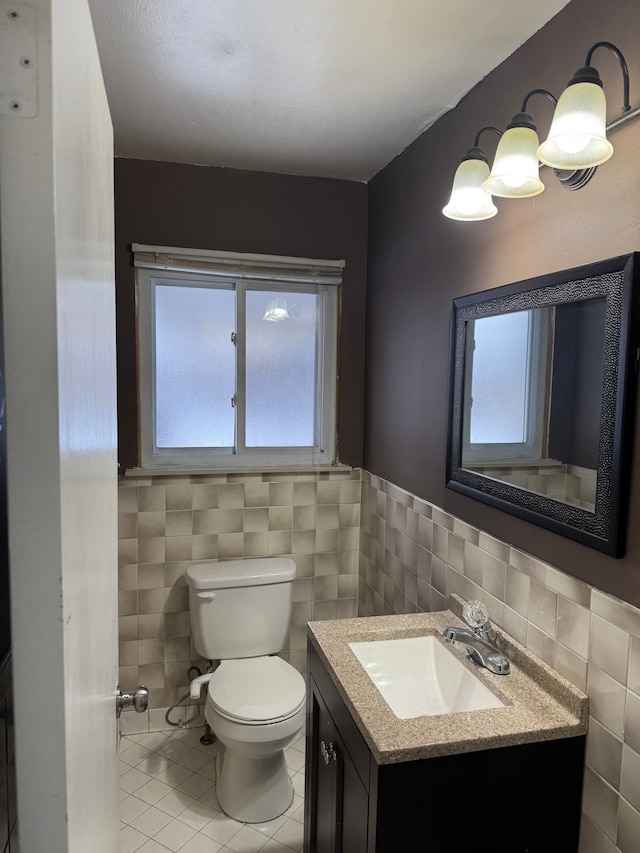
<point>252,789</point>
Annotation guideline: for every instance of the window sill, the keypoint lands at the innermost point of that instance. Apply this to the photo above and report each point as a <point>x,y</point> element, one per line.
<point>208,472</point>
<point>511,463</point>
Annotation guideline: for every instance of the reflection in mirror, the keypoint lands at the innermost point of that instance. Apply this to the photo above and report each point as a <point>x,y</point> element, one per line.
<point>542,390</point>
<point>533,388</point>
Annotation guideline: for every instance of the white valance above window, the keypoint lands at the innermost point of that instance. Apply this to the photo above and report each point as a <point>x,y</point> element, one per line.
<point>238,264</point>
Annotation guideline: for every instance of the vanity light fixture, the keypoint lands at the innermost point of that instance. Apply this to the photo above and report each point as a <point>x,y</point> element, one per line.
<point>469,200</point>
<point>576,145</point>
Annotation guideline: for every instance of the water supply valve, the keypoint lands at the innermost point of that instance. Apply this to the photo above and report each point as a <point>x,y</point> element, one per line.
<point>196,685</point>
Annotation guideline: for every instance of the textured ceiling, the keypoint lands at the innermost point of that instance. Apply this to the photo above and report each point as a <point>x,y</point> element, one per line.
<point>331,88</point>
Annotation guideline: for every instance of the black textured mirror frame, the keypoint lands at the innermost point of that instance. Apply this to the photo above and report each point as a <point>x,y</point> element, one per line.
<point>615,279</point>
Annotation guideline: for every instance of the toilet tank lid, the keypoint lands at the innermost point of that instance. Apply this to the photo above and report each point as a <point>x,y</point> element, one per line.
<point>234,573</point>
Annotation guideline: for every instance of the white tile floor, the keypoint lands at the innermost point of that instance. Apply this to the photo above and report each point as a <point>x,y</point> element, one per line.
<point>168,800</point>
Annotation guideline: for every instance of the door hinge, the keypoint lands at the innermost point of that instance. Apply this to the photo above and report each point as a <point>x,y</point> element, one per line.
<point>234,339</point>
<point>18,61</point>
<point>234,401</point>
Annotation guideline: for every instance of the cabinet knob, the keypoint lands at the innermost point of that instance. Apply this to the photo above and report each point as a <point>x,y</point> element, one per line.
<point>328,752</point>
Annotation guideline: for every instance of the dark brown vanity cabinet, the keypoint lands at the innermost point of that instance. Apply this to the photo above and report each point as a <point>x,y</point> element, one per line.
<point>515,799</point>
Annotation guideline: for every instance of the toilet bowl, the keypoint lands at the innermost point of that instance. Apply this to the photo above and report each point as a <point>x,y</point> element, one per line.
<point>256,707</point>
<point>240,612</point>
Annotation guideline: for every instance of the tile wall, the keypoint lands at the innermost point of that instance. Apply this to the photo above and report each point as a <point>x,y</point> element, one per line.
<point>569,483</point>
<point>413,555</point>
<point>166,523</point>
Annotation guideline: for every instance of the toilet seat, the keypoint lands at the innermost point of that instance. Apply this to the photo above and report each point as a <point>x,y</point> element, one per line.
<point>256,691</point>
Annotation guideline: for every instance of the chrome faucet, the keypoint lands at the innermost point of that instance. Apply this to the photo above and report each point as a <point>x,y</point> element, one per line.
<point>480,638</point>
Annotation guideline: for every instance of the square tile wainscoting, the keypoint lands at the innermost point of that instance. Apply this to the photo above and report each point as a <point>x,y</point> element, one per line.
<point>166,523</point>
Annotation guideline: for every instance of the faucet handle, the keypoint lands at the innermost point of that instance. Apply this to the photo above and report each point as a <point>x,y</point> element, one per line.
<point>476,615</point>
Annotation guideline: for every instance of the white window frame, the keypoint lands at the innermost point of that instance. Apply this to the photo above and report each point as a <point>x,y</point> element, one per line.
<point>534,447</point>
<point>240,272</point>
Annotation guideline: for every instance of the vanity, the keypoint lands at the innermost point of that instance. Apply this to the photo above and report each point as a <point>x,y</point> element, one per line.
<point>506,778</point>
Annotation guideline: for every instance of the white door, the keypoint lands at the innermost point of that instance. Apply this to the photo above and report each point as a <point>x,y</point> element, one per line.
<point>56,223</point>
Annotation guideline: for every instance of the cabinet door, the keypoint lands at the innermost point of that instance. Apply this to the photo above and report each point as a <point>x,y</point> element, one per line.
<point>321,783</point>
<point>353,801</point>
<point>336,804</point>
<point>328,783</point>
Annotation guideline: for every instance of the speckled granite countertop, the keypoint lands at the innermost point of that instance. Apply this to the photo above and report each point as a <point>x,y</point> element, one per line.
<point>539,703</point>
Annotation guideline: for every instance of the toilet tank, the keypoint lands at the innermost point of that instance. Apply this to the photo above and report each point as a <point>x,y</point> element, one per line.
<point>240,608</point>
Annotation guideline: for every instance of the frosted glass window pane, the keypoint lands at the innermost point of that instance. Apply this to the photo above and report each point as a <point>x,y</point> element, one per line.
<point>281,359</point>
<point>195,366</point>
<point>499,389</point>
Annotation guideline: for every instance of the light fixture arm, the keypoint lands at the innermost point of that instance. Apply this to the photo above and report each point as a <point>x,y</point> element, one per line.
<point>476,141</point>
<point>626,106</point>
<point>544,92</point>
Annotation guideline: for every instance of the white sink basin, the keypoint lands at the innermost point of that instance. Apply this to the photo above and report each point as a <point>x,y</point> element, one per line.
<point>419,677</point>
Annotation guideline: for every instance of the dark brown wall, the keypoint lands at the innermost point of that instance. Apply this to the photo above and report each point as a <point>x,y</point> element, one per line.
<point>419,261</point>
<point>202,207</point>
<point>576,392</point>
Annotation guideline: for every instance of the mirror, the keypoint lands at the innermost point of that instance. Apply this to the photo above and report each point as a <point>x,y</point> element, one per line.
<point>542,395</point>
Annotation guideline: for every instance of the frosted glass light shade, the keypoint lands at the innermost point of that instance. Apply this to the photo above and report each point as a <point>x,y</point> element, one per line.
<point>468,200</point>
<point>578,135</point>
<point>515,168</point>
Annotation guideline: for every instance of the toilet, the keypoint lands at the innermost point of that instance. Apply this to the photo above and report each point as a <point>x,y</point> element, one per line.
<point>240,613</point>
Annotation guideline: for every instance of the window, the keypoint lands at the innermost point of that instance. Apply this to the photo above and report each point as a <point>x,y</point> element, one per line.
<point>237,359</point>
<point>507,367</point>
